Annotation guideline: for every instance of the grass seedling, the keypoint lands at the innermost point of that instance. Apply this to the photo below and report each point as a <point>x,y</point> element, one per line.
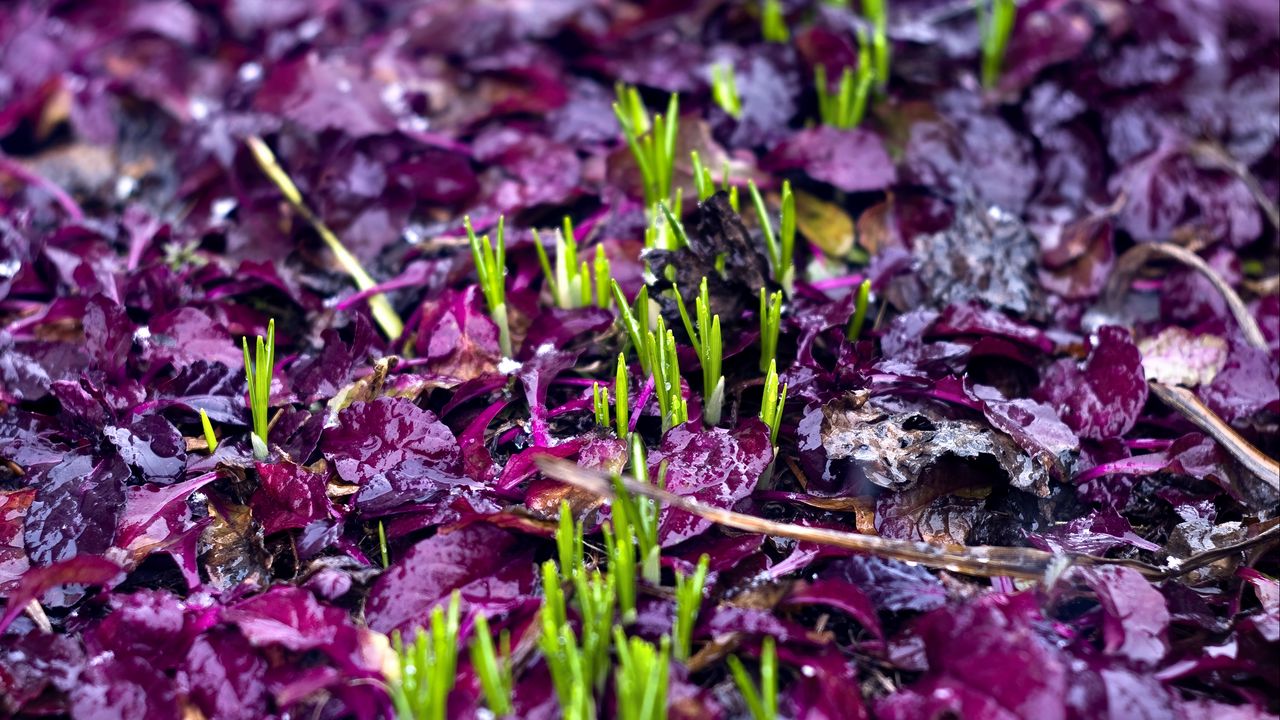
<point>762,700</point>
<point>652,141</point>
<point>847,107</point>
<point>770,327</point>
<point>621,550</point>
<point>860,311</point>
<point>688,602</point>
<point>427,667</point>
<point>995,23</point>
<point>705,184</point>
<point>665,231</point>
<point>877,13</point>
<point>622,395</point>
<point>491,267</point>
<point>705,336</point>
<point>596,596</point>
<point>493,669</point>
<point>641,679</point>
<point>665,365</point>
<point>600,404</point>
<point>642,513</point>
<point>781,247</point>
<point>772,402</point>
<point>635,320</point>
<point>724,89</point>
<point>383,313</point>
<point>772,23</point>
<point>382,544</point>
<point>209,438</point>
<point>573,281</point>
<point>258,371</point>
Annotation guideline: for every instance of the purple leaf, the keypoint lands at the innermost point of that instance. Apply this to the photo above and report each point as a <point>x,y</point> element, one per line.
<point>713,465</point>
<point>850,160</point>
<point>487,564</point>
<point>289,496</point>
<point>1101,397</point>
<point>76,508</point>
<point>1137,618</point>
<point>395,451</point>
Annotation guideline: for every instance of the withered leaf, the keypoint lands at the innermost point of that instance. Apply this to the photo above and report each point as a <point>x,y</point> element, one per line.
<point>231,547</point>
<point>894,450</point>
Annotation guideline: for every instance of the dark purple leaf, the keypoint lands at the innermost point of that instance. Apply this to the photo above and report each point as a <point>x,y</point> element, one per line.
<point>892,585</point>
<point>76,509</point>
<point>485,563</point>
<point>1137,618</point>
<point>849,160</point>
<point>153,445</point>
<point>715,466</point>
<point>395,451</point>
<point>225,675</point>
<point>80,570</point>
<point>1101,397</point>
<point>289,497</point>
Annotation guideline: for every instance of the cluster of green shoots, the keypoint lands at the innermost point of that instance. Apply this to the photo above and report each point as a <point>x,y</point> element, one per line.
<point>846,108</point>
<point>704,333</point>
<point>995,25</point>
<point>780,247</point>
<point>427,666</point>
<point>762,699</point>
<point>573,281</point>
<point>579,661</point>
<point>652,140</point>
<point>705,184</point>
<point>622,400</point>
<point>772,401</point>
<point>655,347</point>
<point>491,267</point>
<point>773,26</point>
<point>258,371</point>
<point>724,89</point>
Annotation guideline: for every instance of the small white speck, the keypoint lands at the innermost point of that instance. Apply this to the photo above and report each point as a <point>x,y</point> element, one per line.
<point>249,72</point>
<point>507,366</point>
<point>125,186</point>
<point>222,207</point>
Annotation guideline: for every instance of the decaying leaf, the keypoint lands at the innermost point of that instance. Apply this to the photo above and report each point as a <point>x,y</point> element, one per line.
<point>1177,357</point>
<point>894,450</point>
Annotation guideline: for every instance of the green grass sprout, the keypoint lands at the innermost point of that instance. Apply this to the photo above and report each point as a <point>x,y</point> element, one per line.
<point>428,666</point>
<point>688,602</point>
<point>622,398</point>
<point>772,23</point>
<point>848,106</point>
<point>665,364</point>
<point>665,231</point>
<point>573,281</point>
<point>877,13</point>
<point>382,544</point>
<point>600,404</point>
<point>642,677</point>
<point>762,700</point>
<point>770,327</point>
<point>642,513</point>
<point>995,24</point>
<point>705,184</point>
<point>724,89</point>
<point>258,371</point>
<point>560,648</point>
<point>383,314</point>
<point>772,402</point>
<point>652,140</point>
<point>491,267</point>
<point>621,551</point>
<point>493,667</point>
<point>635,320</point>
<point>860,310</point>
<point>780,247</point>
<point>209,438</point>
<point>595,593</point>
<point>706,339</point>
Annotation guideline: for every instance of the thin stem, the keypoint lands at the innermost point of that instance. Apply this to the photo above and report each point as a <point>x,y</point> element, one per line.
<point>860,310</point>
<point>770,327</point>
<point>383,313</point>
